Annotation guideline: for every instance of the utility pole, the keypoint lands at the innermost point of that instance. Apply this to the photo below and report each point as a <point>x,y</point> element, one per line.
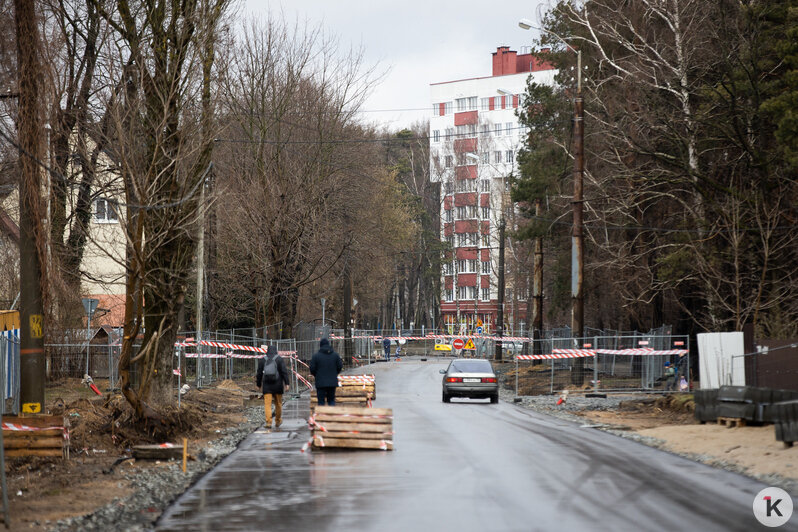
<point>577,249</point>
<point>537,285</point>
<point>31,244</point>
<point>500,315</point>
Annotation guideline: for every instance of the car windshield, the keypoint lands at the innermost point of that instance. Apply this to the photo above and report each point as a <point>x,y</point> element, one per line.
<point>470,366</point>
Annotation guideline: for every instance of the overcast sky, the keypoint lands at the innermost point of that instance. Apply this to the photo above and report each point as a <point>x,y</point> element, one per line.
<point>418,42</point>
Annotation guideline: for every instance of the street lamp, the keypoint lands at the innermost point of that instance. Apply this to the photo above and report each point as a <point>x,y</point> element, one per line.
<point>577,243</point>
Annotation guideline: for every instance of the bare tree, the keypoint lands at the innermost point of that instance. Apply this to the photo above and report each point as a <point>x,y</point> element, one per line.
<point>162,142</point>
<point>297,156</point>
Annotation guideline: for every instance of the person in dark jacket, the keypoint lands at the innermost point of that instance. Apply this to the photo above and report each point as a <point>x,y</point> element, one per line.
<point>386,346</point>
<point>272,388</point>
<point>325,365</point>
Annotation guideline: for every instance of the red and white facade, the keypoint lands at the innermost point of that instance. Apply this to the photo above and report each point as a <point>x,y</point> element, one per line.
<point>474,139</point>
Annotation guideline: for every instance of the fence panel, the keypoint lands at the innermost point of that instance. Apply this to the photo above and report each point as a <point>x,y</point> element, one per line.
<point>9,371</point>
<point>617,363</point>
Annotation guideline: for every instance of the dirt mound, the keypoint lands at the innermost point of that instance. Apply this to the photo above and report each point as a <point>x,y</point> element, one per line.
<point>677,402</point>
<point>229,385</point>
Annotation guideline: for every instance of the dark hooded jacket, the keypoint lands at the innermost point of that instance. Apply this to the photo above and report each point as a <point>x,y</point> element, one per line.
<point>325,365</point>
<point>277,387</point>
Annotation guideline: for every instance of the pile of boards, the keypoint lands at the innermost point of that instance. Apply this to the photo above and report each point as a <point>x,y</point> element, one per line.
<point>365,383</point>
<point>353,390</point>
<point>348,427</point>
<point>35,436</point>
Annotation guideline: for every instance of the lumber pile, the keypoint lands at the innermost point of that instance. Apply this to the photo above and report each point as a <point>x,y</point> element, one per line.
<point>35,436</point>
<point>357,382</point>
<point>348,427</point>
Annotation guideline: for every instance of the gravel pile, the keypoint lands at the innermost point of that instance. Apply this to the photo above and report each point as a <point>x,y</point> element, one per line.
<point>155,488</point>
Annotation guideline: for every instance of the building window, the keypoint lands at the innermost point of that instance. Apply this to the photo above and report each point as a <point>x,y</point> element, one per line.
<point>486,182</point>
<point>467,130</point>
<point>461,292</point>
<point>485,157</point>
<point>497,157</point>
<point>436,135</point>
<point>461,239</point>
<point>449,133</point>
<point>509,156</point>
<point>484,104</point>
<point>471,211</point>
<point>105,211</point>
<point>466,104</point>
<point>461,213</point>
<point>448,187</point>
<point>461,266</point>
<point>472,266</point>
<point>449,161</point>
<point>498,130</point>
<point>485,266</point>
<point>485,212</point>
<point>485,130</point>
<point>486,294</point>
<point>508,129</point>
<point>447,108</point>
<point>450,240</point>
<point>449,295</point>
<point>486,240</point>
<point>448,215</point>
<point>472,292</point>
<point>473,239</point>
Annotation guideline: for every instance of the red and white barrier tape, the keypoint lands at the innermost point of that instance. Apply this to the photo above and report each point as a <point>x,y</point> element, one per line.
<point>642,351</point>
<point>27,428</point>
<point>576,353</point>
<point>304,380</point>
<point>548,357</point>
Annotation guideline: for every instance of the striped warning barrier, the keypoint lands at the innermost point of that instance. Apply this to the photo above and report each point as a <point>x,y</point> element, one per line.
<point>551,356</point>
<point>642,351</point>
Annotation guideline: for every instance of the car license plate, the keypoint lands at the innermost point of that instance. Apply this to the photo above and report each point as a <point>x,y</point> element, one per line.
<point>472,380</point>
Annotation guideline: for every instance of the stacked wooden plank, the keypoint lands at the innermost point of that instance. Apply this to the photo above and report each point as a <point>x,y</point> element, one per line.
<point>357,382</point>
<point>348,427</point>
<point>35,436</point>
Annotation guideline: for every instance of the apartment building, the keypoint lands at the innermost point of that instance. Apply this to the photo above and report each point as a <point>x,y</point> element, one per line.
<point>474,139</point>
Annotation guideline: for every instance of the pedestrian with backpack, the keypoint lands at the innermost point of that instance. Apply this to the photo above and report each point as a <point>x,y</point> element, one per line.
<point>325,365</point>
<point>272,379</point>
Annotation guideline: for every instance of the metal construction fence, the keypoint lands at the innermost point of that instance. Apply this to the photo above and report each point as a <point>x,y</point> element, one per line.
<point>608,364</point>
<point>9,371</point>
<point>616,362</point>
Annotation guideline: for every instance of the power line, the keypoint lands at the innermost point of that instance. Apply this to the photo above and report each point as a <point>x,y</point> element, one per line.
<point>63,179</point>
<point>363,140</point>
<point>703,232</point>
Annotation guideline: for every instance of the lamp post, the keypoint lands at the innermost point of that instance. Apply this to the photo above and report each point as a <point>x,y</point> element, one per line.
<point>577,242</point>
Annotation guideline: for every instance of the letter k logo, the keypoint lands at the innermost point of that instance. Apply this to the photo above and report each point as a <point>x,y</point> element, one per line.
<point>772,506</point>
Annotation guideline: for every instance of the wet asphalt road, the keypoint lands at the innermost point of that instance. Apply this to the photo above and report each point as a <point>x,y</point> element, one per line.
<point>463,466</point>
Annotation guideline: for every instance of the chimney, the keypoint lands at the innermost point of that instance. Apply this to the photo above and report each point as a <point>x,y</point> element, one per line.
<point>504,61</point>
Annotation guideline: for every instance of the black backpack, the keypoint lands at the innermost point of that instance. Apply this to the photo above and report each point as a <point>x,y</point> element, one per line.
<point>270,371</point>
